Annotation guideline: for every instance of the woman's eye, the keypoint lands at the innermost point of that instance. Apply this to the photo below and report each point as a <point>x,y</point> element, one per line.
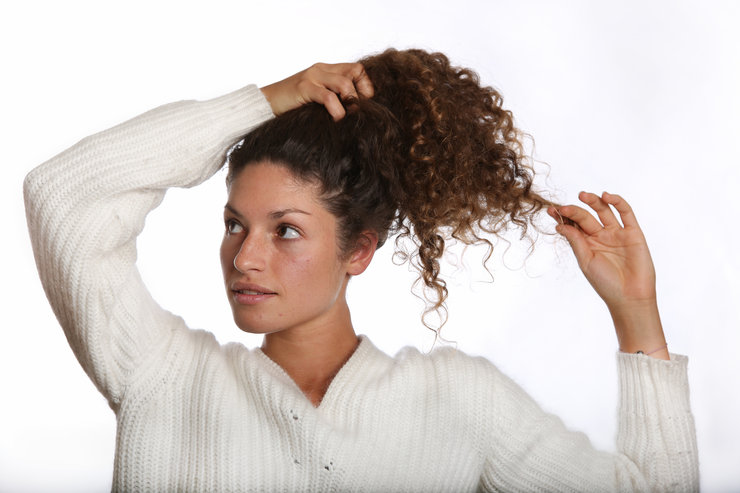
<point>287,232</point>
<point>233,227</point>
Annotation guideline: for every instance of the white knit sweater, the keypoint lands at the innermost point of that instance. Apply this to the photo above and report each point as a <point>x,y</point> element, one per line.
<point>196,416</point>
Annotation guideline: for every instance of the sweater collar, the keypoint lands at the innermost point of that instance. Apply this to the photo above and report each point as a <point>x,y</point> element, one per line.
<point>365,364</point>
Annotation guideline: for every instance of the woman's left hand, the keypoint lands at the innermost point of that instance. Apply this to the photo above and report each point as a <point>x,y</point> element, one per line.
<point>616,261</point>
<point>614,257</point>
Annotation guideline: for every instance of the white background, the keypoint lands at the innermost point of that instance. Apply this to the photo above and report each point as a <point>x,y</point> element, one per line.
<point>638,98</point>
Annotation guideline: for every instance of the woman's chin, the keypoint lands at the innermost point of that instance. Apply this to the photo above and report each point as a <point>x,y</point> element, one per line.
<point>252,327</point>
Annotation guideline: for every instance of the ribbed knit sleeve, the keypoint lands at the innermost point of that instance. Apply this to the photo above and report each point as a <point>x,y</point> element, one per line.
<point>86,206</point>
<point>656,427</point>
<point>531,450</point>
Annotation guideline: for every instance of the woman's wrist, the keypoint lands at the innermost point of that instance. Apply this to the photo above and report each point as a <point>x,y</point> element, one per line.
<point>639,329</point>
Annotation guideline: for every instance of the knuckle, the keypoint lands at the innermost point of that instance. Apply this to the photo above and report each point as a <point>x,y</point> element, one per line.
<point>346,87</point>
<point>327,98</point>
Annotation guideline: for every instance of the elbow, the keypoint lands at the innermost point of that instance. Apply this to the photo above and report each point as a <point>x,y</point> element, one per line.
<point>41,193</point>
<point>32,194</point>
<point>33,199</point>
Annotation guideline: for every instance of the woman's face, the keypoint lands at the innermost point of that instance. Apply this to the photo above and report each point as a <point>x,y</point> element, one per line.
<point>279,255</point>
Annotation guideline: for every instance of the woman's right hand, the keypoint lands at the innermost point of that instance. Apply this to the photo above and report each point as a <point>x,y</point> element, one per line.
<point>323,83</point>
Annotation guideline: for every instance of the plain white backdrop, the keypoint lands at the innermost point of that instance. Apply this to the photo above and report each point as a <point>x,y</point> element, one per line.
<point>637,98</point>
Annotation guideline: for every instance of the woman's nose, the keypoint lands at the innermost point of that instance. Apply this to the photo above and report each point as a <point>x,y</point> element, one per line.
<point>251,255</point>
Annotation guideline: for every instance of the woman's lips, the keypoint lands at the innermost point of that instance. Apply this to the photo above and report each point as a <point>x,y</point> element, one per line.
<point>250,294</point>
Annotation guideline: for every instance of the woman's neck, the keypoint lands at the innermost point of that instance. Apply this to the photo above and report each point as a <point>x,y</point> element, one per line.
<point>312,356</point>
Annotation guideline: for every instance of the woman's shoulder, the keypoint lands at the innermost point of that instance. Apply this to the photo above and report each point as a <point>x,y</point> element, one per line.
<point>450,370</point>
<point>188,350</point>
<point>444,356</point>
<point>451,382</point>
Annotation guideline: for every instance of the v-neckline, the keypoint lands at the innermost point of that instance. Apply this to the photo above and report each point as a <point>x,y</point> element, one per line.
<point>344,373</point>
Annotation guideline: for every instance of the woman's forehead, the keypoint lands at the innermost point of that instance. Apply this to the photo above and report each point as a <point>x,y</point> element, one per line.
<point>274,189</point>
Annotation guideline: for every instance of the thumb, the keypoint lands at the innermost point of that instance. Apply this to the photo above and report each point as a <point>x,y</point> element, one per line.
<point>577,242</point>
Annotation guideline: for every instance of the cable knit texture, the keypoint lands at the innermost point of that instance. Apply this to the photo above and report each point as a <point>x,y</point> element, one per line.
<point>196,416</point>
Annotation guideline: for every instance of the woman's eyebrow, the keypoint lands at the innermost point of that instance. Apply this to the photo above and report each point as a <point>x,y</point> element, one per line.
<point>231,209</point>
<point>282,212</point>
<point>273,214</point>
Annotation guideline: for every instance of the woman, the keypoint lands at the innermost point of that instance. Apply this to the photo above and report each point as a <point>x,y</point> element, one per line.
<point>400,143</point>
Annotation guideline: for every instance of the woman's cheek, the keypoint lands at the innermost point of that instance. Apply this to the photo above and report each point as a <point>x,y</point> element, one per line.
<point>227,260</point>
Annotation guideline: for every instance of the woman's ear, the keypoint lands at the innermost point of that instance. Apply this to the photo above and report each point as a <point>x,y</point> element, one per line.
<point>363,252</point>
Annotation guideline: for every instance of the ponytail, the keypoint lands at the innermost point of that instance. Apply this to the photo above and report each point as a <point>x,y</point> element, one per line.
<point>463,166</point>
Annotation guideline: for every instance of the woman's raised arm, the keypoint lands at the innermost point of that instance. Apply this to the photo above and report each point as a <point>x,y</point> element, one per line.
<point>86,206</point>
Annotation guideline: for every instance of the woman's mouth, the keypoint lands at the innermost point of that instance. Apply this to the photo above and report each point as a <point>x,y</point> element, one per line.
<point>247,294</point>
<point>249,291</point>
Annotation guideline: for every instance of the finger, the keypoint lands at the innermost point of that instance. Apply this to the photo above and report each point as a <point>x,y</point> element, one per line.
<point>340,84</point>
<point>606,215</point>
<point>355,72</point>
<point>337,77</point>
<point>362,81</point>
<point>553,213</point>
<point>624,209</point>
<point>582,218</point>
<point>312,90</point>
<point>331,102</point>
<point>314,87</point>
<point>577,242</point>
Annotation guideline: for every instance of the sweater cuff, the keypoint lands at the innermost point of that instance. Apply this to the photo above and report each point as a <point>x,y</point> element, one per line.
<point>652,387</point>
<point>244,108</point>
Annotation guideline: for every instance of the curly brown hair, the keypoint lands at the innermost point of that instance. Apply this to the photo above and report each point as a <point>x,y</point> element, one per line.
<point>431,156</point>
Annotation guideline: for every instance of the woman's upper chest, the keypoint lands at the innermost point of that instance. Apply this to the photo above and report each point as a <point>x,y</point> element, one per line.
<point>245,425</point>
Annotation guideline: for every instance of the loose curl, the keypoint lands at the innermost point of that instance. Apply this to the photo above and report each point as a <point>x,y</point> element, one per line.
<point>431,156</point>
